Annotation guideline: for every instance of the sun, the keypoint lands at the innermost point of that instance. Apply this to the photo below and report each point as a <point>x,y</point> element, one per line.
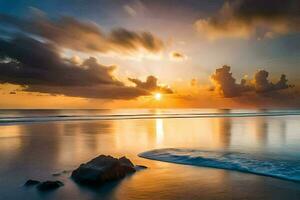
<point>157,96</point>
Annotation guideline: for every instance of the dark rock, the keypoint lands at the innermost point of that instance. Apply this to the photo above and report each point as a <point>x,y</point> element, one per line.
<point>102,169</point>
<point>56,174</point>
<point>49,185</point>
<point>139,167</point>
<point>31,182</point>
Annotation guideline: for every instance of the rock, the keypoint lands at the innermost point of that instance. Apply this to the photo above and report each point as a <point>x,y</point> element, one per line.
<point>56,174</point>
<point>49,185</point>
<point>139,167</point>
<point>102,169</point>
<point>31,182</point>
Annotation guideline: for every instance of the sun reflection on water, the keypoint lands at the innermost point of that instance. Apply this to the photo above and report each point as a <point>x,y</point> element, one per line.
<point>159,131</point>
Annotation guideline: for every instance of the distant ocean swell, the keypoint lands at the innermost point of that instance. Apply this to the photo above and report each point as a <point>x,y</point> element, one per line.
<point>44,118</point>
<point>242,162</point>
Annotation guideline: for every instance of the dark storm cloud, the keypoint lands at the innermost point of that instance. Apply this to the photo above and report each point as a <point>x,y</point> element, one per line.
<point>245,18</point>
<point>86,36</point>
<point>129,40</point>
<point>39,68</point>
<point>151,84</point>
<point>40,63</point>
<point>226,84</point>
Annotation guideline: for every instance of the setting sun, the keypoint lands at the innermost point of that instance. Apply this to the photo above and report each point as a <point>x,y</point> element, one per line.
<point>157,96</point>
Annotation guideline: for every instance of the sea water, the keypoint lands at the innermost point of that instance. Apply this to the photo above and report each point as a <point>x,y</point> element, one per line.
<point>190,153</point>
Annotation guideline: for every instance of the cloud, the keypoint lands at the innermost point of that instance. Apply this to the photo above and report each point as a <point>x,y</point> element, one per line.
<point>97,92</point>
<point>151,85</point>
<point>247,18</point>
<point>262,84</point>
<point>194,82</point>
<point>86,36</point>
<point>38,67</point>
<point>177,56</point>
<point>135,8</point>
<point>225,84</point>
<point>40,62</point>
<point>129,10</point>
<point>126,41</point>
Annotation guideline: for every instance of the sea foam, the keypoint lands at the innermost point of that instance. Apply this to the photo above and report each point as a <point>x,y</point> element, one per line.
<point>288,169</point>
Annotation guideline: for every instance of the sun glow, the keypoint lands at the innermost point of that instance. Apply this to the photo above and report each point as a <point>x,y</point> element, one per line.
<point>157,96</point>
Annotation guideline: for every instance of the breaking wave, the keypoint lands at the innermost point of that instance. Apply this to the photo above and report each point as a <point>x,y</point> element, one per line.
<point>288,169</point>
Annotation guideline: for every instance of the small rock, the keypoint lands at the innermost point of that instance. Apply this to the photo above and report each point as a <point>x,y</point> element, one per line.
<point>31,182</point>
<point>49,185</point>
<point>139,167</point>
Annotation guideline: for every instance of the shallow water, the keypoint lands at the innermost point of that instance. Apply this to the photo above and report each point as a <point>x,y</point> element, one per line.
<point>37,149</point>
<point>284,167</point>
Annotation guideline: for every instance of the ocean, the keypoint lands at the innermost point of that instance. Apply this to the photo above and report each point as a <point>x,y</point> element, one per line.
<point>190,153</point>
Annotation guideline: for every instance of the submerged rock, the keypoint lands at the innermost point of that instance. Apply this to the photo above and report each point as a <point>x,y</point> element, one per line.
<point>31,182</point>
<point>49,185</point>
<point>102,169</point>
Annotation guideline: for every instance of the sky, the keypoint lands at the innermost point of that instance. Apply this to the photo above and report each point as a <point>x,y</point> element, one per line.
<point>122,53</point>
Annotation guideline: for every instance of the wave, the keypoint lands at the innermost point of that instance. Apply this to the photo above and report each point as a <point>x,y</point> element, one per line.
<point>46,118</point>
<point>273,167</point>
